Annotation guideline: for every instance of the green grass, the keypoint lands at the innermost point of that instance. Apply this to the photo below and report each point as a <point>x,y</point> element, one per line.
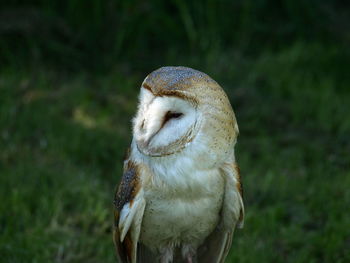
<point>63,138</point>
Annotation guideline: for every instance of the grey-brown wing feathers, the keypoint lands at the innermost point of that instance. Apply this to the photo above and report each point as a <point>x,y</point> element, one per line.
<point>129,207</point>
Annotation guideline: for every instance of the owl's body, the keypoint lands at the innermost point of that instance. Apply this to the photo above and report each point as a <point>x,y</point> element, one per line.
<point>180,195</point>
<point>181,211</point>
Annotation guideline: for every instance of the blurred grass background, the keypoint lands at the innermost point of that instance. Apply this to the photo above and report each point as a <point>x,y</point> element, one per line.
<point>70,73</point>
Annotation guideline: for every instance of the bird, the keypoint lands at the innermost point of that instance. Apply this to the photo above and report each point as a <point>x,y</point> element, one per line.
<point>180,195</point>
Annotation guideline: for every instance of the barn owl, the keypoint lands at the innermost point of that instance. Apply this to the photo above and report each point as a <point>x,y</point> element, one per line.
<point>180,196</point>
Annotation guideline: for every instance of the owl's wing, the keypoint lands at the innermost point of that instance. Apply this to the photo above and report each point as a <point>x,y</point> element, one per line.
<point>216,247</point>
<point>129,207</point>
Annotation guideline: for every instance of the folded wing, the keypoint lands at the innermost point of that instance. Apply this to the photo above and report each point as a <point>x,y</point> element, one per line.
<point>129,207</point>
<point>216,247</point>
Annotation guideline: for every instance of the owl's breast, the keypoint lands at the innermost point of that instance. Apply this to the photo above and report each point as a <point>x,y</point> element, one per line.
<point>182,214</point>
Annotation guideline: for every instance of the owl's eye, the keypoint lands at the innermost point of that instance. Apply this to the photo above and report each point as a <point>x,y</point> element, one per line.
<point>171,115</point>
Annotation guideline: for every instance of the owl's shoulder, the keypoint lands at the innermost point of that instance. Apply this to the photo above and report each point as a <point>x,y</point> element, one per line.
<point>129,185</point>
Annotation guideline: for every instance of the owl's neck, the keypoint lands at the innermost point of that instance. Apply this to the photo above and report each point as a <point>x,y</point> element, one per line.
<point>186,171</point>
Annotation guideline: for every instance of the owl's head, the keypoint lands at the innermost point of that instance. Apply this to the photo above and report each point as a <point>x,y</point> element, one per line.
<point>181,107</point>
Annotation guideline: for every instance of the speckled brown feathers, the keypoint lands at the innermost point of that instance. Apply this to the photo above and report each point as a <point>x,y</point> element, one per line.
<point>175,81</point>
<point>128,187</point>
<point>127,190</point>
<point>163,81</point>
<point>239,186</point>
<point>239,183</point>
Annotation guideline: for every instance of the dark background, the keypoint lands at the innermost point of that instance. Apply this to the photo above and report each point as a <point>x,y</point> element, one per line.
<point>70,73</point>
